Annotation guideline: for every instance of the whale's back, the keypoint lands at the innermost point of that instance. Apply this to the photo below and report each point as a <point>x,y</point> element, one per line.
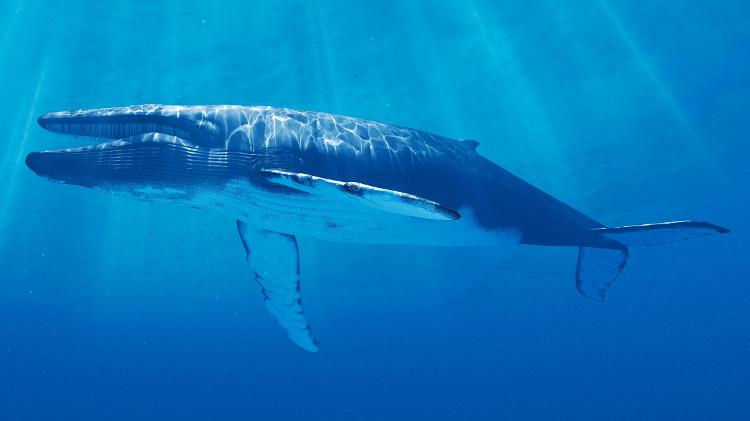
<point>444,170</point>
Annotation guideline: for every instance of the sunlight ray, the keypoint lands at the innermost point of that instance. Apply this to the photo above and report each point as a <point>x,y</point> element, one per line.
<point>664,94</point>
<point>323,59</point>
<point>447,107</point>
<point>14,163</point>
<point>530,121</point>
<point>9,22</point>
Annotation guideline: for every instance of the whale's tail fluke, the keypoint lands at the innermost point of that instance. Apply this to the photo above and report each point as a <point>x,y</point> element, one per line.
<point>599,267</point>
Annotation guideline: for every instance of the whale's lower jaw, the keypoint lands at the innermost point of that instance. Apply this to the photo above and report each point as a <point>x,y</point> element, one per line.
<point>150,160</point>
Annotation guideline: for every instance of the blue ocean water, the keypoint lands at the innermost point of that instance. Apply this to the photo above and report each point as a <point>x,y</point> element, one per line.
<point>632,112</point>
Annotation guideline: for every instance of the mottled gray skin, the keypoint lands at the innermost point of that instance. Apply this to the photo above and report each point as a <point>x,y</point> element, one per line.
<point>249,139</point>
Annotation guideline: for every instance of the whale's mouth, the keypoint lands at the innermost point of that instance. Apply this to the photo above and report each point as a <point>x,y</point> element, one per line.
<point>151,144</point>
<point>141,158</point>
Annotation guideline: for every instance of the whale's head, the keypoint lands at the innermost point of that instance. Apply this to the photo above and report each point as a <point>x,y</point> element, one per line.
<point>157,152</point>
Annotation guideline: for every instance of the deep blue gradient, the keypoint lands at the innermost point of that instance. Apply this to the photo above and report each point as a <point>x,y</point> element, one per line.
<point>632,112</point>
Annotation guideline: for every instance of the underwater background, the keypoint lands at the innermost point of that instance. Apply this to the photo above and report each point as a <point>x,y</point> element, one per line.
<point>630,111</point>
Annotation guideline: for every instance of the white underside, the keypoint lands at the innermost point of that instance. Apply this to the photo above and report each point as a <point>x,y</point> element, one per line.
<point>342,218</point>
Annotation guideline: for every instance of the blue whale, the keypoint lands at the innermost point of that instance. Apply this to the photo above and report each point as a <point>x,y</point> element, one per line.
<point>282,174</point>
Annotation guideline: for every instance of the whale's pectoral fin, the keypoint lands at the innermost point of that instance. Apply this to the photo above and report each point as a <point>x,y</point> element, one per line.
<point>274,260</point>
<point>597,269</point>
<point>374,197</point>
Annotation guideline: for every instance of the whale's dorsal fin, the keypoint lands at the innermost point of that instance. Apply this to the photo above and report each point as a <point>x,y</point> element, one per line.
<point>470,143</point>
<point>374,197</point>
<point>274,260</point>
